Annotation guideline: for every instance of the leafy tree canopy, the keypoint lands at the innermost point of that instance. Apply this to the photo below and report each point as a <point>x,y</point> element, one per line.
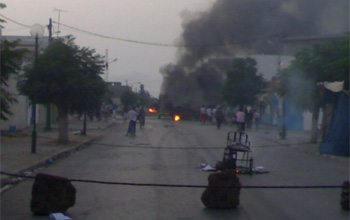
<point>324,63</point>
<point>128,98</point>
<point>66,76</point>
<point>2,6</point>
<point>11,58</point>
<point>242,83</point>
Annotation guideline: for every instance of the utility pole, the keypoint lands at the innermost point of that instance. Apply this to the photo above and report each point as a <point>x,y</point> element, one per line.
<point>283,133</point>
<point>107,65</point>
<point>48,106</point>
<point>106,77</point>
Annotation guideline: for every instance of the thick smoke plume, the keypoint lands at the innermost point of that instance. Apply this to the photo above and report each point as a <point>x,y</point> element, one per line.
<point>254,26</point>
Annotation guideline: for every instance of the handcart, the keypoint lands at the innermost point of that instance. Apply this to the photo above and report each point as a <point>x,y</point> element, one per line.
<point>237,154</point>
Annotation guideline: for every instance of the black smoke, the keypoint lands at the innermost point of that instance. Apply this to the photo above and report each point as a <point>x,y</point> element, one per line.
<point>253,26</point>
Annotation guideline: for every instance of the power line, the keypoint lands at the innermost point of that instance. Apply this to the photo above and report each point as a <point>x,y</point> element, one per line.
<point>16,22</point>
<point>117,38</point>
<point>146,146</point>
<point>179,185</point>
<point>150,43</point>
<point>164,44</point>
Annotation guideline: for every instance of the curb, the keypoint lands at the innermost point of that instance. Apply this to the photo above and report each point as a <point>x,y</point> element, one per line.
<point>46,161</point>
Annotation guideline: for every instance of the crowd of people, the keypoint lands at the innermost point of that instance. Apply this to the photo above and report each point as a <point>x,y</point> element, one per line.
<point>215,116</point>
<point>242,118</point>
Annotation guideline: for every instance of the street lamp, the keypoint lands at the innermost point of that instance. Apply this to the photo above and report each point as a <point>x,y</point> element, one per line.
<point>107,64</point>
<point>36,31</point>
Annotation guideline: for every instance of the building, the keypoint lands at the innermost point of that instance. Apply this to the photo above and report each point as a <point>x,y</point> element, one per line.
<point>22,111</point>
<point>268,65</point>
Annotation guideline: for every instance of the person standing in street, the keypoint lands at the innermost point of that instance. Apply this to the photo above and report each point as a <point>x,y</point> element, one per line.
<point>219,116</point>
<point>213,120</point>
<point>209,114</point>
<point>249,118</point>
<point>142,117</point>
<point>202,114</point>
<point>256,119</point>
<point>240,120</point>
<point>132,116</point>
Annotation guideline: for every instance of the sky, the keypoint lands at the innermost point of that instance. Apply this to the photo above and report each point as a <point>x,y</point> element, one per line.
<point>144,21</point>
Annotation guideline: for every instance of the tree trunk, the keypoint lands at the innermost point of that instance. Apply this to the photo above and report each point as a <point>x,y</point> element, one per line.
<point>314,126</point>
<point>326,120</point>
<point>62,125</point>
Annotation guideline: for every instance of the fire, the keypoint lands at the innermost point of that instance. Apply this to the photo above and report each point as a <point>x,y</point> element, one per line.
<point>177,118</point>
<point>152,110</point>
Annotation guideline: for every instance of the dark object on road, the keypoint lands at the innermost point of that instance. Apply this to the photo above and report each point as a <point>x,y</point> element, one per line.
<point>222,198</point>
<point>344,201</point>
<point>237,154</point>
<point>51,194</point>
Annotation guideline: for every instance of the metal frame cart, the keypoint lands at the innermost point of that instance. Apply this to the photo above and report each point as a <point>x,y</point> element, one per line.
<point>237,154</point>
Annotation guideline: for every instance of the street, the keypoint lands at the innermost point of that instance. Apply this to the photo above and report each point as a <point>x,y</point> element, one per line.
<point>168,152</point>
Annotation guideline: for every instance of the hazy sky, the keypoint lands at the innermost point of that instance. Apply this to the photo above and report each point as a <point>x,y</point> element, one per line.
<point>153,21</point>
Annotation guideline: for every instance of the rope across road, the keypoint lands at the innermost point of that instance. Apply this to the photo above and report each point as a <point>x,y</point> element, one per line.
<point>180,185</point>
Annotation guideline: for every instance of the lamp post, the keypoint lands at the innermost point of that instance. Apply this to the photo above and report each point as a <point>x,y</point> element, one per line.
<point>36,31</point>
<point>48,106</point>
<point>107,65</point>
<point>283,133</point>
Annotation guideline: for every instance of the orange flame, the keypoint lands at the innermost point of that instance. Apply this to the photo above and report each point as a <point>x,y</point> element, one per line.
<point>152,110</point>
<point>177,118</point>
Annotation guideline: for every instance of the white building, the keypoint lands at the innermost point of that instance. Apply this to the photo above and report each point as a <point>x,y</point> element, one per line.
<point>21,110</point>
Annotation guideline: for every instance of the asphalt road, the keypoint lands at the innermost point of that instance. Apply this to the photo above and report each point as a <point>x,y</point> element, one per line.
<point>166,152</point>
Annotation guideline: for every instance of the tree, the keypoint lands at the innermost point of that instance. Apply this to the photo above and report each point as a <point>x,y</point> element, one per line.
<point>242,83</point>
<point>11,59</point>
<point>68,77</point>
<point>128,98</point>
<point>2,6</point>
<point>326,62</point>
<point>143,97</point>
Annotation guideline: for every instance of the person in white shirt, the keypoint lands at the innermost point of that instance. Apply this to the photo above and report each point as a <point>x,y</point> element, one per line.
<point>240,120</point>
<point>209,114</point>
<point>132,116</point>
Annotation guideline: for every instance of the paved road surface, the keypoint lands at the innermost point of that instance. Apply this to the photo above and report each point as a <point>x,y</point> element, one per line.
<point>158,154</point>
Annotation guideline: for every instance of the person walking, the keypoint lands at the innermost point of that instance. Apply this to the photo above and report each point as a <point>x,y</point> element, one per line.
<point>142,116</point>
<point>202,114</point>
<point>219,116</point>
<point>249,118</point>
<point>240,120</point>
<point>209,114</point>
<point>132,116</point>
<point>256,119</point>
<point>213,121</point>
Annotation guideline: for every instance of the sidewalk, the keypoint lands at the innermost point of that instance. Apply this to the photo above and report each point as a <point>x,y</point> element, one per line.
<point>299,140</point>
<point>15,149</point>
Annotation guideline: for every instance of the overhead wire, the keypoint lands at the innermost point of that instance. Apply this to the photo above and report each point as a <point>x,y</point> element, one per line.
<point>13,21</point>
<point>176,185</point>
<point>164,44</point>
<point>144,42</point>
<point>146,146</point>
